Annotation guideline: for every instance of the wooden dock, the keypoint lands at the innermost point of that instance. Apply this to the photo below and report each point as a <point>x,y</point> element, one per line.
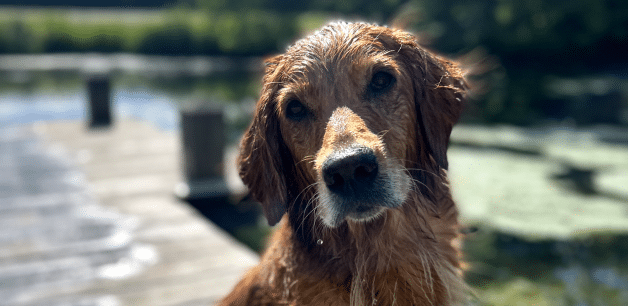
<point>112,233</point>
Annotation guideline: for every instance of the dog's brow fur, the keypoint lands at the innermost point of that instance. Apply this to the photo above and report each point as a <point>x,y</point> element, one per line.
<point>403,248</point>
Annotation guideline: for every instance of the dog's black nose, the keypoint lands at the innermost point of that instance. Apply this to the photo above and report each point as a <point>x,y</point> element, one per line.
<point>350,172</point>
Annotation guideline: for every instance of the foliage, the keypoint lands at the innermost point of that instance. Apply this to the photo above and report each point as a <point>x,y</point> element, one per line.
<point>239,27</point>
<point>532,41</point>
<point>167,32</point>
<point>374,10</point>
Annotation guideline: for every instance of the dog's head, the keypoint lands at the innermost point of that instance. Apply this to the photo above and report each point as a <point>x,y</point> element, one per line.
<point>351,118</point>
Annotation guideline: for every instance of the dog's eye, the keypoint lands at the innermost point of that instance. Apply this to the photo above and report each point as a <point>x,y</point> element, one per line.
<point>381,81</point>
<point>295,110</point>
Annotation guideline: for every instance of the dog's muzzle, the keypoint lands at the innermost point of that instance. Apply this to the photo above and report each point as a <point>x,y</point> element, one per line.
<point>356,180</point>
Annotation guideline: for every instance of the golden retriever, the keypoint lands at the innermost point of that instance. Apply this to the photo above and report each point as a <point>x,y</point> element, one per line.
<point>347,152</point>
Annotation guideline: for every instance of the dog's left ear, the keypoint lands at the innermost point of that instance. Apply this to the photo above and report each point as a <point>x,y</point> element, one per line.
<point>260,160</point>
<point>439,93</point>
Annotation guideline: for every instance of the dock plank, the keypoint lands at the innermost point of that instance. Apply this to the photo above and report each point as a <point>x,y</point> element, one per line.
<point>132,169</point>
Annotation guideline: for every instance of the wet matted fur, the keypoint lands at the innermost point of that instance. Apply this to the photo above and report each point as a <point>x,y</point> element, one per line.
<point>347,152</point>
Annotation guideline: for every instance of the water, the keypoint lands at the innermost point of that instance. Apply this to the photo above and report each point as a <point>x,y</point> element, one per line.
<point>155,97</point>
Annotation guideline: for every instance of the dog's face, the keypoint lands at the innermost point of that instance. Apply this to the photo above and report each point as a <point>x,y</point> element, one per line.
<point>346,116</point>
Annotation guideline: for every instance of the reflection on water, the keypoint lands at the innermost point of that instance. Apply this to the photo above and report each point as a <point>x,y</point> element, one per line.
<point>27,97</point>
<point>153,107</point>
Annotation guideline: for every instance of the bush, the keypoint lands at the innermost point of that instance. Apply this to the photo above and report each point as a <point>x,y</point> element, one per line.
<point>166,32</point>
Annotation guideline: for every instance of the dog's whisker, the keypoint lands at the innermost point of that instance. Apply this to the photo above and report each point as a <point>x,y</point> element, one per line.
<point>424,171</point>
<point>317,228</point>
<point>418,183</point>
<point>308,203</point>
<point>309,158</point>
<point>402,161</point>
<point>313,200</point>
<point>382,134</point>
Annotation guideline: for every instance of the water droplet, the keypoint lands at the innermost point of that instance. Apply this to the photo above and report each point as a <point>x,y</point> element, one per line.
<point>319,242</point>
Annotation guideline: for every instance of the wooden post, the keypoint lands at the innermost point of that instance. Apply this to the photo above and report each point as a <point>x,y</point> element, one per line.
<point>203,135</point>
<point>99,101</point>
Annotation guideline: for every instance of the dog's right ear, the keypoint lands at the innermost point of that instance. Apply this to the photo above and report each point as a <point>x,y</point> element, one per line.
<point>259,162</point>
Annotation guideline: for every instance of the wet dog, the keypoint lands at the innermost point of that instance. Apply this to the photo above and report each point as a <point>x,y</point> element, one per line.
<point>347,152</point>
